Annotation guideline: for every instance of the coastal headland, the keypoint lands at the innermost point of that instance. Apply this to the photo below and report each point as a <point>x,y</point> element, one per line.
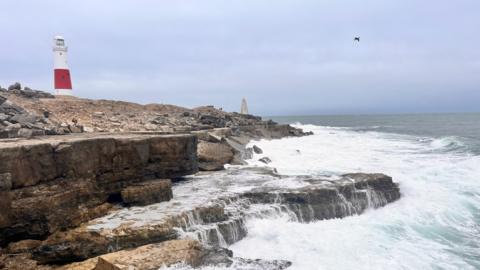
<point>102,184</point>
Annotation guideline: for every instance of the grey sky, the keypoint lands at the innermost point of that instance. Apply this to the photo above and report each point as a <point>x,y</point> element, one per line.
<point>285,57</point>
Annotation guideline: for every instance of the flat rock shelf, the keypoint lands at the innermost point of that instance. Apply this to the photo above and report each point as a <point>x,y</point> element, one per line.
<point>213,209</point>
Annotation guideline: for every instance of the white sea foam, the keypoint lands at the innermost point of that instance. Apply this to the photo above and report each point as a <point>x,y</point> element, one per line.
<point>435,225</point>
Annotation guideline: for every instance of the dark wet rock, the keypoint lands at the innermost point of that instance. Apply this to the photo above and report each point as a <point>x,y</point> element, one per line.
<point>247,154</point>
<point>211,120</point>
<point>325,199</point>
<point>257,150</point>
<point>265,160</point>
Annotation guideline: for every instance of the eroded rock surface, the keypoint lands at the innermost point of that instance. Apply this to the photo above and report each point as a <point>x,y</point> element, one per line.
<point>53,183</point>
<point>214,208</point>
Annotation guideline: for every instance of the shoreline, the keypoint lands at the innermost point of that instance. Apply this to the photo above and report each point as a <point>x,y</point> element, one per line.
<point>66,184</point>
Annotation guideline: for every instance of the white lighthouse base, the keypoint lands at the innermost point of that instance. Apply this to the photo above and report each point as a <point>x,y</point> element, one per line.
<point>63,92</point>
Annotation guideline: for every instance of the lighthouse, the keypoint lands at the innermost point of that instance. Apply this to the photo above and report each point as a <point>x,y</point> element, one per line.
<point>62,80</point>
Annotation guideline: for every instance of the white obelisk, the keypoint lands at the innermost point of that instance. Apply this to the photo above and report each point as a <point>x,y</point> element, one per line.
<point>244,107</point>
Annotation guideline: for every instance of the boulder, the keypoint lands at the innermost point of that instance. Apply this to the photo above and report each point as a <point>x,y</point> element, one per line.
<point>265,160</point>
<point>3,116</point>
<point>212,156</point>
<point>257,150</point>
<point>155,256</point>
<point>149,192</point>
<point>15,86</point>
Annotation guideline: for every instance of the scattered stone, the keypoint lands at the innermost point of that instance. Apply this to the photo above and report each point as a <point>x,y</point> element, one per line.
<point>265,160</point>
<point>4,117</point>
<point>25,133</point>
<point>257,150</point>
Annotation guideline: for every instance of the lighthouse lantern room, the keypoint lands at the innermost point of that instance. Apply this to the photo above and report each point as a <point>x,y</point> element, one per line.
<point>62,80</point>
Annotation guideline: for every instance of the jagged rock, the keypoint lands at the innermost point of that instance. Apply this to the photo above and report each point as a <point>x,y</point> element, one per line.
<point>32,94</point>
<point>15,86</point>
<point>212,156</point>
<point>212,120</point>
<point>149,192</point>
<point>265,160</point>
<point>257,150</point>
<point>325,199</point>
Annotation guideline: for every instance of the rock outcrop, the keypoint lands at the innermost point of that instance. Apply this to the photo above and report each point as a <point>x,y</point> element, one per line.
<point>216,217</point>
<point>119,116</point>
<point>16,121</point>
<point>213,156</point>
<point>185,252</point>
<point>53,183</point>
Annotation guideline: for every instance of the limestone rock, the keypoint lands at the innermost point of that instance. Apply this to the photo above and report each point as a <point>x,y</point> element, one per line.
<point>58,183</point>
<point>154,256</point>
<point>212,156</point>
<point>149,192</point>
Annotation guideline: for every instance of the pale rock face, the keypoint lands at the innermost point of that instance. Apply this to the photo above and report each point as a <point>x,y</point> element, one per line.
<point>212,156</point>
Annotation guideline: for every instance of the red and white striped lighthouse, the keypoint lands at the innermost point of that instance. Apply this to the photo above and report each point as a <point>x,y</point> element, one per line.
<point>62,80</point>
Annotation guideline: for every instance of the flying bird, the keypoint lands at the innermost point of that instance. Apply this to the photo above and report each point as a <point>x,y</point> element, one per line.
<point>356,39</point>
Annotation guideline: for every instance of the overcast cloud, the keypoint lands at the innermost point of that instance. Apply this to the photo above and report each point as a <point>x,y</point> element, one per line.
<point>285,57</point>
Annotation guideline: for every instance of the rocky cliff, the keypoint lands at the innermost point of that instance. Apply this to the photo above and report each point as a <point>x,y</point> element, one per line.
<point>49,184</point>
<point>124,192</point>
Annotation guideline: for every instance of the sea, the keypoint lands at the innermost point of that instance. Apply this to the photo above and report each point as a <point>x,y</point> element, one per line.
<point>435,158</point>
